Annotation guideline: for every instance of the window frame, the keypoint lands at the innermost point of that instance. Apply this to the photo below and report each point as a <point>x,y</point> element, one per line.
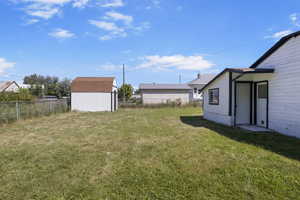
<point>195,90</point>
<point>218,97</point>
<point>262,93</point>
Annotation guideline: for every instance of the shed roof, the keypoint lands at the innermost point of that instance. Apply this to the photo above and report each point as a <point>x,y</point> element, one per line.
<point>154,86</point>
<point>92,84</point>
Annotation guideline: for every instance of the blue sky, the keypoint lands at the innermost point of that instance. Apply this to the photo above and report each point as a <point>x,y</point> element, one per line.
<point>156,39</point>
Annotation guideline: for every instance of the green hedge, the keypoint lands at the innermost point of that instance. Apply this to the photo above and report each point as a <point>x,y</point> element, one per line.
<point>21,95</point>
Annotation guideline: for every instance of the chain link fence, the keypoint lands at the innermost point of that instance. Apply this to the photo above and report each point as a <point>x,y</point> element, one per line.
<point>14,111</point>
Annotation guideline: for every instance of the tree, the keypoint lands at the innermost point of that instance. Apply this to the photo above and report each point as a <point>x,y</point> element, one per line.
<point>36,90</point>
<point>127,89</point>
<point>47,85</point>
<point>63,88</point>
<point>137,91</point>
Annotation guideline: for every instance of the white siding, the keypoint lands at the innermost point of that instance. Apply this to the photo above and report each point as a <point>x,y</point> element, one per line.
<point>92,102</point>
<point>163,96</point>
<point>197,96</point>
<point>12,88</point>
<point>218,113</point>
<point>284,88</point>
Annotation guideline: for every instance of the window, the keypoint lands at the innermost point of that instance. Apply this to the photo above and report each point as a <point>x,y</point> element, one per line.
<point>263,91</point>
<point>213,95</point>
<point>199,91</point>
<point>195,90</point>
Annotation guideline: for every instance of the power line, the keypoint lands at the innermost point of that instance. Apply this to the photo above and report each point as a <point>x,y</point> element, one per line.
<point>123,83</point>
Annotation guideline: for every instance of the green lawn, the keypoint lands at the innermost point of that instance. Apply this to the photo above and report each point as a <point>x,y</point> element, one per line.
<point>165,153</point>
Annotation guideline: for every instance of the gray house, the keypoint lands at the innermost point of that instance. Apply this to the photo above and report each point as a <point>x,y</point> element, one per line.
<point>198,83</point>
<point>165,93</point>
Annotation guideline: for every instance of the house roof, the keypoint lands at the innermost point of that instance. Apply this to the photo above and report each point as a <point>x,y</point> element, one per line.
<point>155,86</point>
<point>203,80</point>
<point>92,84</point>
<point>241,71</point>
<point>281,42</point>
<point>5,84</point>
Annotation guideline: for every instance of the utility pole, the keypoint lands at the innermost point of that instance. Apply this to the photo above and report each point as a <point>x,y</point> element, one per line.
<point>124,84</point>
<point>179,78</point>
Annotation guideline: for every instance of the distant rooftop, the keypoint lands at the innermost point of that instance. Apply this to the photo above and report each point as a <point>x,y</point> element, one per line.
<point>5,84</point>
<point>155,86</point>
<point>202,79</point>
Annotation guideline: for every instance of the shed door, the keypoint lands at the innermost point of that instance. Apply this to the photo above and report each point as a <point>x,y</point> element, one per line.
<point>243,102</point>
<point>262,101</point>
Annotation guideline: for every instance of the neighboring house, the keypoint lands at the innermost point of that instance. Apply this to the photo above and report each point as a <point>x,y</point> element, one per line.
<point>199,83</point>
<point>28,86</point>
<point>9,86</point>
<point>94,94</point>
<point>25,86</point>
<point>265,95</point>
<point>165,93</point>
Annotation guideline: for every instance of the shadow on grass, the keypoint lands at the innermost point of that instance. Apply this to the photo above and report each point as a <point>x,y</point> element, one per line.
<point>280,144</point>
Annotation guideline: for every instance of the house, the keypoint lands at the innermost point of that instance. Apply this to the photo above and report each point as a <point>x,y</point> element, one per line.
<point>9,86</point>
<point>165,93</point>
<point>198,83</point>
<point>25,86</point>
<point>264,96</point>
<point>94,94</point>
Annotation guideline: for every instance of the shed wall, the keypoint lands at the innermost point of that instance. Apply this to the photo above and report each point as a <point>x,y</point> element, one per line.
<point>92,102</point>
<point>218,113</point>
<point>284,88</point>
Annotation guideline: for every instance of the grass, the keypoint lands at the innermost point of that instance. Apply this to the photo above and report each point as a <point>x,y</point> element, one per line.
<point>164,153</point>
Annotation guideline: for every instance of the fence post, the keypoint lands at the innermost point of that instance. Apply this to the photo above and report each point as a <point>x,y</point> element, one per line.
<point>17,110</point>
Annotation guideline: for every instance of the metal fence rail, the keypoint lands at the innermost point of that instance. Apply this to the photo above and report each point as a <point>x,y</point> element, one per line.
<point>13,111</point>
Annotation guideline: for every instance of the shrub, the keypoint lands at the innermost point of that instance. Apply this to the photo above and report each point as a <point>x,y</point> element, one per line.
<point>22,95</point>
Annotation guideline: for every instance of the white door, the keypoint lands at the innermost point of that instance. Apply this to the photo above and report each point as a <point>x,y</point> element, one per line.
<point>262,101</point>
<point>243,103</point>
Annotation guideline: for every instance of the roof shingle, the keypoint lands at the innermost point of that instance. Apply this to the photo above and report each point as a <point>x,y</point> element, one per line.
<point>92,84</point>
<point>154,86</point>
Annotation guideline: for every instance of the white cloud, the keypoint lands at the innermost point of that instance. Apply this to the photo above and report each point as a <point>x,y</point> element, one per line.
<point>113,30</point>
<point>45,12</point>
<point>47,1</point>
<point>295,19</point>
<point>180,62</point>
<point>61,34</point>
<point>153,4</point>
<point>280,34</point>
<point>31,21</point>
<point>80,3</point>
<point>112,3</point>
<point>110,67</point>
<point>108,26</point>
<point>4,65</point>
<point>142,27</point>
<point>118,17</point>
<point>47,9</point>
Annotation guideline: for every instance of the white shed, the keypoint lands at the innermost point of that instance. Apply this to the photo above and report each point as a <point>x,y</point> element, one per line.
<point>165,93</point>
<point>263,96</point>
<point>94,94</point>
